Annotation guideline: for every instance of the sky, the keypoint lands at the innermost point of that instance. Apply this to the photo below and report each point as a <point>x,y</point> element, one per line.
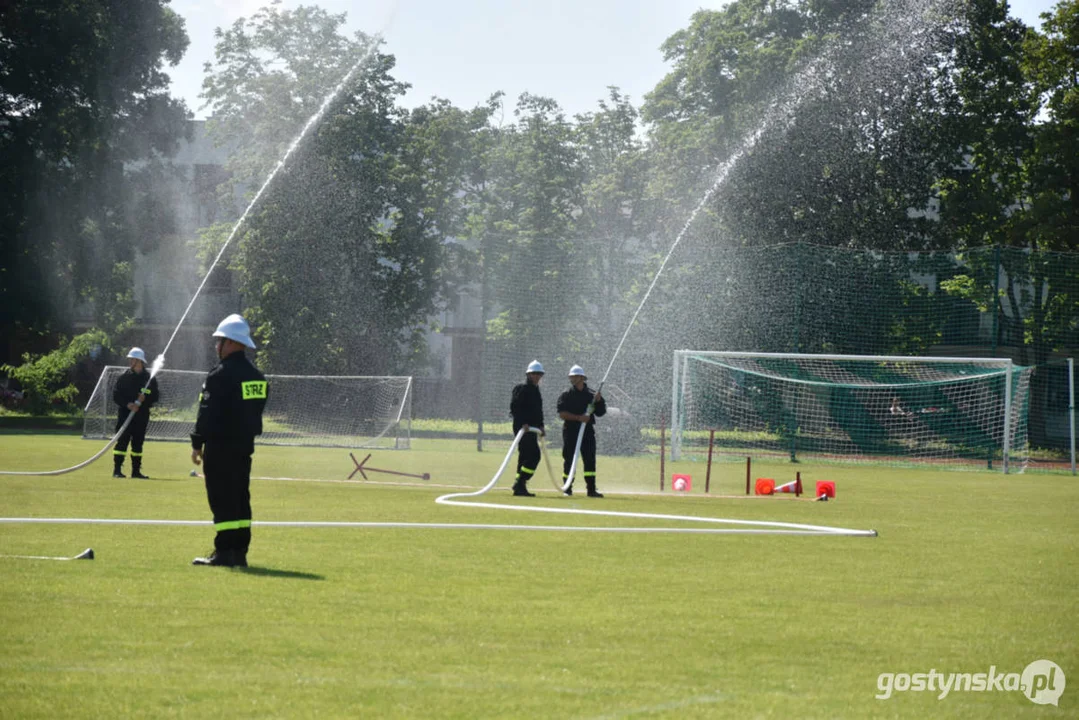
<point>465,50</point>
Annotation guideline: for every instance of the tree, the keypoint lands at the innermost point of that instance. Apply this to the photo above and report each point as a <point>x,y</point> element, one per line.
<point>822,120</point>
<point>615,212</point>
<point>1011,203</point>
<point>271,73</point>
<point>84,118</point>
<point>46,379</point>
<point>1052,66</point>
<point>824,111</point>
<point>343,261</point>
<point>532,248</point>
<point>1012,185</point>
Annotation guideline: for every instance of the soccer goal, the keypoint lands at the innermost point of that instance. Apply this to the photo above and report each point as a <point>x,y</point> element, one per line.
<point>890,409</point>
<point>310,410</point>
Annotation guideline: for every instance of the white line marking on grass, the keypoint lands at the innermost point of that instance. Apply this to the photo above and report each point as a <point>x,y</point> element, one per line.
<point>541,492</point>
<point>394,483</point>
<point>103,521</point>
<point>407,525</point>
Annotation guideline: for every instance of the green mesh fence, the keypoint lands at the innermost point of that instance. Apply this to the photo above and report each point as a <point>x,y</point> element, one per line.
<point>793,298</point>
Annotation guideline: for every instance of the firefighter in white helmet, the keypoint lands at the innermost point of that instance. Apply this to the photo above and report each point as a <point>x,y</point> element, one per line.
<point>526,407</point>
<point>230,417</point>
<point>135,392</point>
<point>575,406</point>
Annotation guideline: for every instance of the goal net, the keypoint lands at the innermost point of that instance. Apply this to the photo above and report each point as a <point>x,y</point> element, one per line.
<point>850,407</point>
<point>312,410</point>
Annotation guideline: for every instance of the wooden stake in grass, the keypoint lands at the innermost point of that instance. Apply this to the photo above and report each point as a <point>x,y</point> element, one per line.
<point>708,470</point>
<point>662,449</point>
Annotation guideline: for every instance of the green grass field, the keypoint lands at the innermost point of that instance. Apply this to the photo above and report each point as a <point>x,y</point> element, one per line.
<point>970,570</point>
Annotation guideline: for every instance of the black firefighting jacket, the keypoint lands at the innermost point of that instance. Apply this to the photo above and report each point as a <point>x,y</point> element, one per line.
<point>127,390</point>
<point>526,406</point>
<point>230,407</point>
<point>577,401</point>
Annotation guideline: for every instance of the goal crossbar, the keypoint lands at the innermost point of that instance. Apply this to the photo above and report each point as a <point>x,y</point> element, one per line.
<point>705,357</point>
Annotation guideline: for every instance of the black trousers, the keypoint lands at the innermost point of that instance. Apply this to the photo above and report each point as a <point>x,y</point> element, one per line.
<point>135,433</point>
<point>228,488</point>
<point>528,457</point>
<point>588,453</point>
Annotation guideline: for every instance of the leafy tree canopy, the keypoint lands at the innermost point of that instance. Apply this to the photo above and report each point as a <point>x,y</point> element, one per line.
<point>84,112</point>
<point>348,255</point>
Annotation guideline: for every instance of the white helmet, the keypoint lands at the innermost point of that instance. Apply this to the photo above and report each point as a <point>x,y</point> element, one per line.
<point>234,327</point>
<point>138,354</point>
<point>577,370</point>
<point>535,367</point>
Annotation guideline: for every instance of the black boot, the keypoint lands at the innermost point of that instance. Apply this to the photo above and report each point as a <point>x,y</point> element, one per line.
<point>117,466</point>
<point>520,488</point>
<point>222,558</point>
<point>136,469</point>
<point>592,491</point>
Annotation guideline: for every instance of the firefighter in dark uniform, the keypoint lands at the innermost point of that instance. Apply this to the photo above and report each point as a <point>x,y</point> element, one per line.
<point>135,392</point>
<point>575,406</point>
<point>230,417</point>
<point>526,407</point>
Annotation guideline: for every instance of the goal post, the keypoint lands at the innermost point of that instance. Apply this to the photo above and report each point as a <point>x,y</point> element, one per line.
<point>305,410</point>
<point>889,409</point>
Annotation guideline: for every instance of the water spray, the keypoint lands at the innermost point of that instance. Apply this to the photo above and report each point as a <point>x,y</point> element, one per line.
<point>159,361</point>
<point>781,111</point>
<point>720,178</point>
<point>312,122</point>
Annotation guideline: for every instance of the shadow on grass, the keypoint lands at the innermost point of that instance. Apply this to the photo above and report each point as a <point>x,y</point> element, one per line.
<point>272,572</point>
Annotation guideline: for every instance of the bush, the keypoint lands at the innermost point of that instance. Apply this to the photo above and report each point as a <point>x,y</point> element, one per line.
<point>45,379</point>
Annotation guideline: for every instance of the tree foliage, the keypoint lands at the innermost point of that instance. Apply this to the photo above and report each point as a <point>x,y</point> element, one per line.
<point>532,249</point>
<point>84,120</point>
<point>346,259</point>
<point>45,378</point>
<point>835,125</point>
<point>616,213</point>
<point>1017,106</point>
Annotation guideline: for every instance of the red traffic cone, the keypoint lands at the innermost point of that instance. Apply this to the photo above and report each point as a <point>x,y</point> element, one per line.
<point>681,483</point>
<point>826,489</point>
